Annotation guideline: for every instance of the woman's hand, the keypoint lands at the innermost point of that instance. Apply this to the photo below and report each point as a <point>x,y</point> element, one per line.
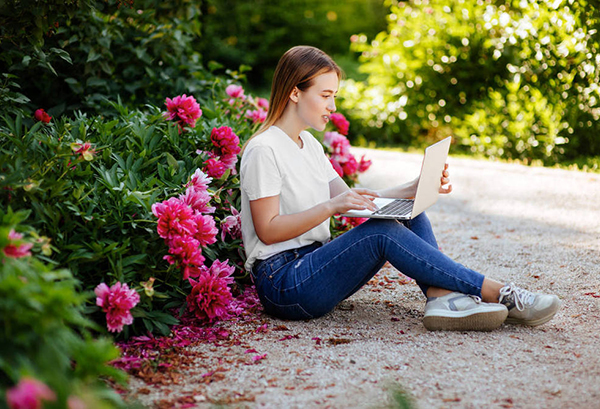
<point>354,199</point>
<point>445,180</point>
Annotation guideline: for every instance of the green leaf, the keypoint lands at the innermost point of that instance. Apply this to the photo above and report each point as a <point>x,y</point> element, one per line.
<point>93,56</point>
<point>62,54</point>
<point>172,161</point>
<point>213,65</point>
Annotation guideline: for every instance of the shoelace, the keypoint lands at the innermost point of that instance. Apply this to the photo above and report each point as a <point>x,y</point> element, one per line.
<point>521,297</point>
<point>475,298</point>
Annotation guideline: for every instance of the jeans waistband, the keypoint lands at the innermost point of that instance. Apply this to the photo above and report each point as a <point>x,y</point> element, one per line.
<point>289,254</point>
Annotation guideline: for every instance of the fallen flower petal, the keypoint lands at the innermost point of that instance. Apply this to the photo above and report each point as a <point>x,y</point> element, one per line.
<point>262,328</point>
<point>289,337</point>
<point>256,358</point>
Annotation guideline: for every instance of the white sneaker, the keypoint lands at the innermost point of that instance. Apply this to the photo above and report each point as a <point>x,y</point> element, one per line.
<point>527,308</point>
<point>461,312</point>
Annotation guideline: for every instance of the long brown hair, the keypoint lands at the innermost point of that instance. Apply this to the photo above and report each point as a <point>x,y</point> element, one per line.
<point>296,68</point>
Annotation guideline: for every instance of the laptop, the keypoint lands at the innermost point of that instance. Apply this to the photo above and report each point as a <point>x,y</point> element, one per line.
<point>427,188</point>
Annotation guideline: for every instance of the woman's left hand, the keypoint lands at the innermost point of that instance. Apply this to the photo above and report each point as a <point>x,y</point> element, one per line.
<point>445,187</point>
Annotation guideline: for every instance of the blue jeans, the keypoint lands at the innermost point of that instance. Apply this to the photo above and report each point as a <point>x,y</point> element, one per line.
<point>310,281</point>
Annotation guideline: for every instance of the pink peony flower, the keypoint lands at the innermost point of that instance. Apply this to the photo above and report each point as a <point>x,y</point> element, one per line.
<point>185,251</point>
<point>116,302</point>
<point>206,230</point>
<point>229,161</point>
<point>337,167</point>
<point>350,166</point>
<point>337,143</point>
<point>210,297</point>
<point>175,218</point>
<point>340,122</point>
<point>194,271</point>
<point>29,394</point>
<point>215,168</point>
<point>183,109</point>
<point>197,199</point>
<point>222,270</point>
<point>199,180</point>
<point>226,142</point>
<point>262,103</point>
<point>232,225</point>
<point>353,221</point>
<point>257,116</point>
<point>364,165</point>
<point>42,116</point>
<point>235,91</point>
<point>84,149</point>
<point>15,249</point>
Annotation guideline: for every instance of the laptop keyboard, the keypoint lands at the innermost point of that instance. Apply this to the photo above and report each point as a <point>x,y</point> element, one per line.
<point>398,207</point>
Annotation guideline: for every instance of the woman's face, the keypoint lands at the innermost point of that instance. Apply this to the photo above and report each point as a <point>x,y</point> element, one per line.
<point>316,103</point>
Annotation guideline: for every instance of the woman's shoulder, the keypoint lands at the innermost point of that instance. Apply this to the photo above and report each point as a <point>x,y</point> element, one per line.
<point>264,143</point>
<point>268,137</point>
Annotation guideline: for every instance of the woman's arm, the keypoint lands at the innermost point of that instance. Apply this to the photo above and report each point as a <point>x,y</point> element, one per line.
<point>271,227</point>
<point>404,191</point>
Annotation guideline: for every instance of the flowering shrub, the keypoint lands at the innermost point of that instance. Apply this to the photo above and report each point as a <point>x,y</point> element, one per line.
<point>143,207</point>
<point>48,357</point>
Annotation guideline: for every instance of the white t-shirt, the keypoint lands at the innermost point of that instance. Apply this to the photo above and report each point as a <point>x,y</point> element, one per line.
<point>273,164</point>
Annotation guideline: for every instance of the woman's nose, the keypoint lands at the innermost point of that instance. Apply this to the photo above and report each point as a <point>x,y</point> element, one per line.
<point>331,106</point>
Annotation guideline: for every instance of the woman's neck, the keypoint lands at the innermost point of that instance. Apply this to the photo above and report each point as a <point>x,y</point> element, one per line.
<point>291,126</point>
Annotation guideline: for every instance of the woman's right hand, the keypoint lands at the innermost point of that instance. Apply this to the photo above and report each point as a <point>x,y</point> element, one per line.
<point>354,199</point>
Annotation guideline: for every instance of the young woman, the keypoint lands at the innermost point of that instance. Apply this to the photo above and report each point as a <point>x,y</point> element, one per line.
<point>289,192</point>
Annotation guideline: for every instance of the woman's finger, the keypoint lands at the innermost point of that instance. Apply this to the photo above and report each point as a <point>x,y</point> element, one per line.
<point>366,192</point>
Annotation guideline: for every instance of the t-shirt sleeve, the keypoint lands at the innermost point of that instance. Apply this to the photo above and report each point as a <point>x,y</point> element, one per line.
<point>260,175</point>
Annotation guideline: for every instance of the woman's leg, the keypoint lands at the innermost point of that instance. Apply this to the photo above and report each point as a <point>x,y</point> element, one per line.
<point>421,226</point>
<point>321,279</point>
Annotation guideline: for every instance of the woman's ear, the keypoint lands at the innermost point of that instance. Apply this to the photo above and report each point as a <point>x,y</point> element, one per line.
<point>295,95</point>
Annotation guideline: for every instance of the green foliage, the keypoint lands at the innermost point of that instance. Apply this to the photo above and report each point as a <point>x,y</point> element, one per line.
<point>516,79</point>
<point>257,33</point>
<point>45,334</point>
<point>97,212</point>
<point>108,51</point>
<point>28,21</point>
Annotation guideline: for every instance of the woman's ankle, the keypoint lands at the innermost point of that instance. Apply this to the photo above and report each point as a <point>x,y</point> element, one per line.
<point>437,292</point>
<point>490,290</point>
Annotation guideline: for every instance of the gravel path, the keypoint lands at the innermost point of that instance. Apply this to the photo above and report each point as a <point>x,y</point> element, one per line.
<point>507,221</point>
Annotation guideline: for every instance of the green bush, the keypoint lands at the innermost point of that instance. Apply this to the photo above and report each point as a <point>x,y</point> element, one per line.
<point>98,212</point>
<point>45,334</point>
<point>109,49</point>
<point>516,79</point>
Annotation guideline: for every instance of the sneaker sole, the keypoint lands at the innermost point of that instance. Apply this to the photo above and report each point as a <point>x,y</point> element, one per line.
<point>484,321</point>
<point>533,323</point>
